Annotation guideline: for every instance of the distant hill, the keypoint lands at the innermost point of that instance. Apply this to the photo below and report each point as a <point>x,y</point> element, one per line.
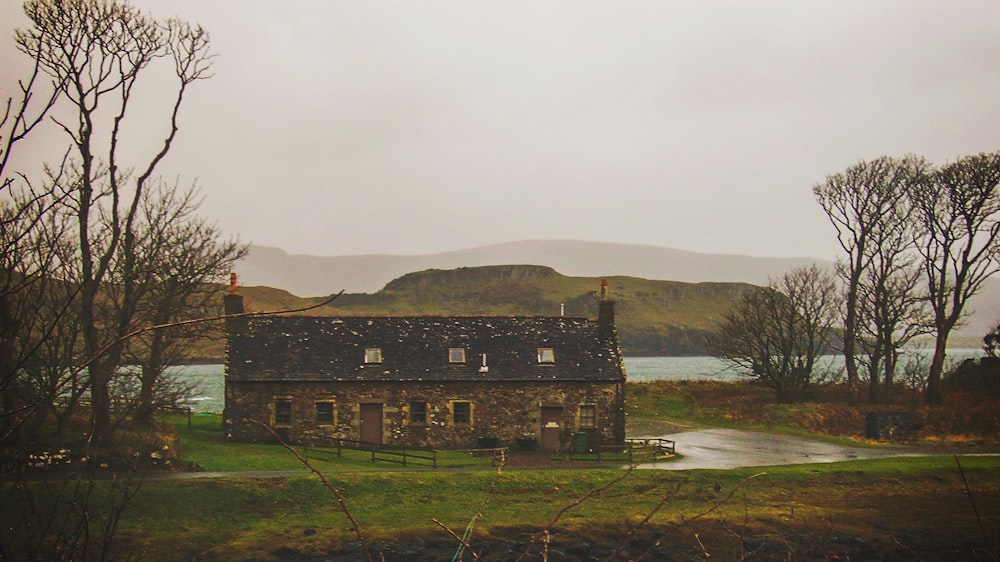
<point>313,275</point>
<point>367,275</point>
<point>653,317</point>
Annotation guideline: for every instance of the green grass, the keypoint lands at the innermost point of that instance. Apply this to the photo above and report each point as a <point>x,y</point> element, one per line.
<point>916,502</point>
<point>203,444</point>
<point>908,500</point>
<point>242,518</point>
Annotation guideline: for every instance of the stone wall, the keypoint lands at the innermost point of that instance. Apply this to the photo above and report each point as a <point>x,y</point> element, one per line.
<point>505,411</point>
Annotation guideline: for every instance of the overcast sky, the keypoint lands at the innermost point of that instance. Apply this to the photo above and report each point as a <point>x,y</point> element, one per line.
<point>335,127</point>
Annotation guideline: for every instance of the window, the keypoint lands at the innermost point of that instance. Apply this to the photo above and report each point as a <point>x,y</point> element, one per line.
<point>588,416</point>
<point>373,355</point>
<point>324,413</point>
<point>282,412</point>
<point>456,355</point>
<point>418,413</point>
<point>546,355</point>
<point>461,413</point>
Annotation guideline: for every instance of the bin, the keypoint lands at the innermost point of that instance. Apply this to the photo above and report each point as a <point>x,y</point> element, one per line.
<point>580,442</point>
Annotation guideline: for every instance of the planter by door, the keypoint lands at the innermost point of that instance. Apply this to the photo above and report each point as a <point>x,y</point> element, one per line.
<point>371,423</point>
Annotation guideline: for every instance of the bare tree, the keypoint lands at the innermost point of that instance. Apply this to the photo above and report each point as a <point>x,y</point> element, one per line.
<point>868,206</point>
<point>183,262</point>
<point>775,334</point>
<point>22,210</point>
<point>959,212</point>
<point>894,312</point>
<point>96,52</point>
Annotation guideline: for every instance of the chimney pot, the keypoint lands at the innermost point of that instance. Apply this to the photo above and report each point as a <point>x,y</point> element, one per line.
<point>605,312</point>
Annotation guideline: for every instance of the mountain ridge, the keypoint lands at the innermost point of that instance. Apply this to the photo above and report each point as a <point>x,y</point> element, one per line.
<point>653,317</point>
<point>307,275</point>
<point>317,275</point>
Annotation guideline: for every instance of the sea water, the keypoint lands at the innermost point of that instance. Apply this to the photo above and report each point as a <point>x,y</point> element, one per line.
<point>209,380</point>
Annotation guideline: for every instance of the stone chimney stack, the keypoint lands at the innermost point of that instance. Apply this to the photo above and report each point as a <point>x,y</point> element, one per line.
<point>606,312</point>
<point>233,301</point>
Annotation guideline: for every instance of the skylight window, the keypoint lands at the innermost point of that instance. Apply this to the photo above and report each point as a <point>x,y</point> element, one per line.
<point>546,355</point>
<point>373,355</point>
<point>456,355</point>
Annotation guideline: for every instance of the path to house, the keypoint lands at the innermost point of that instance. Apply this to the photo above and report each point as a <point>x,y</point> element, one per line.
<point>733,448</point>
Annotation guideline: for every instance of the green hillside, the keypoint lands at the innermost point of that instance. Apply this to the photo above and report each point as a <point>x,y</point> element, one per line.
<point>653,317</point>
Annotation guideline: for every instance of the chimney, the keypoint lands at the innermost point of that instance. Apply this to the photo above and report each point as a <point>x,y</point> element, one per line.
<point>606,312</point>
<point>233,301</point>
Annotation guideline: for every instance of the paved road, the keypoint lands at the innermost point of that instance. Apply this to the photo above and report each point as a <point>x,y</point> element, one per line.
<point>733,448</point>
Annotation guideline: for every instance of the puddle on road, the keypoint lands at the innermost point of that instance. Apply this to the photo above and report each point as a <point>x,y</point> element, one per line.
<point>733,448</point>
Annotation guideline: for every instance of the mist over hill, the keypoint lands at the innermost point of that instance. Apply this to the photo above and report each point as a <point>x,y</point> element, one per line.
<point>315,275</point>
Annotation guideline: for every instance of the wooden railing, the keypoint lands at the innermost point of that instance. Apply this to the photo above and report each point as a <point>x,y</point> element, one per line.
<point>411,456</point>
<point>657,444</point>
<point>652,449</point>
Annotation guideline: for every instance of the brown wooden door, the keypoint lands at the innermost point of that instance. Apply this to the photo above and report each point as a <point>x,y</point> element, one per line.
<point>371,423</point>
<point>551,428</point>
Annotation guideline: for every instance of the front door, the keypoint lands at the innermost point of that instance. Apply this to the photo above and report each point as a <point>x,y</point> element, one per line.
<point>551,428</point>
<point>371,423</point>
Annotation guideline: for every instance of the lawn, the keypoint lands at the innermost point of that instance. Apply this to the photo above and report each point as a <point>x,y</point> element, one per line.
<point>884,506</point>
<point>930,508</point>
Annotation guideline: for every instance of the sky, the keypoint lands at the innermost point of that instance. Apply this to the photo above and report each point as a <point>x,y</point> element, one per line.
<point>400,127</point>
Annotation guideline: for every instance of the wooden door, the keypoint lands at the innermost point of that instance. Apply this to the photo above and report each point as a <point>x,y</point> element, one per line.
<point>371,423</point>
<point>551,428</point>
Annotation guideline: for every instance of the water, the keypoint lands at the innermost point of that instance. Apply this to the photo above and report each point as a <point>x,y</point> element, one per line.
<point>210,383</point>
<point>641,369</point>
<point>210,379</point>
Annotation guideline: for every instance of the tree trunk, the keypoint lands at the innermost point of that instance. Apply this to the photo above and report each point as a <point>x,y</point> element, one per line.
<point>8,371</point>
<point>873,387</point>
<point>933,396</point>
<point>145,408</point>
<point>850,333</point>
<point>152,368</point>
<point>100,401</point>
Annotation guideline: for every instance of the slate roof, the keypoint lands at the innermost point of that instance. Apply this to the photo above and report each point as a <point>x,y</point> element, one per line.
<point>297,348</point>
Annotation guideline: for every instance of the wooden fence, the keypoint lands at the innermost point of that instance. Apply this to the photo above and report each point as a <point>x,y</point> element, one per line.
<point>652,449</point>
<point>413,457</point>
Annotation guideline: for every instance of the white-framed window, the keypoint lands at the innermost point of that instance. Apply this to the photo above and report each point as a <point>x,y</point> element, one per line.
<point>373,355</point>
<point>546,355</point>
<point>456,355</point>
<point>588,416</point>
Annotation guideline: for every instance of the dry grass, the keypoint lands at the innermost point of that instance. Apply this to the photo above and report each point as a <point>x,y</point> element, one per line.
<point>965,417</point>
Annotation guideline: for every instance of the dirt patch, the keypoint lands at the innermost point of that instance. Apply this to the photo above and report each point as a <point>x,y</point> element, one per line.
<point>704,539</point>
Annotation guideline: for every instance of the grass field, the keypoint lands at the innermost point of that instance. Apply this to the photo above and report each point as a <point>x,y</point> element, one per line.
<point>891,506</point>
<point>906,508</point>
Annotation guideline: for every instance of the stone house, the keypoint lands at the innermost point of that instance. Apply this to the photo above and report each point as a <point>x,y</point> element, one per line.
<point>424,381</point>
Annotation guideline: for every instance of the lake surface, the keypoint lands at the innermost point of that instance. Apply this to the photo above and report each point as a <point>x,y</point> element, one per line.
<point>210,379</point>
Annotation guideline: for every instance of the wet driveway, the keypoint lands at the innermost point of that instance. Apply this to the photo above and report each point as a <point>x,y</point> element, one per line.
<point>733,448</point>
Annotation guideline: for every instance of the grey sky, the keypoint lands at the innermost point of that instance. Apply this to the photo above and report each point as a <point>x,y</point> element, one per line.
<point>417,127</point>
